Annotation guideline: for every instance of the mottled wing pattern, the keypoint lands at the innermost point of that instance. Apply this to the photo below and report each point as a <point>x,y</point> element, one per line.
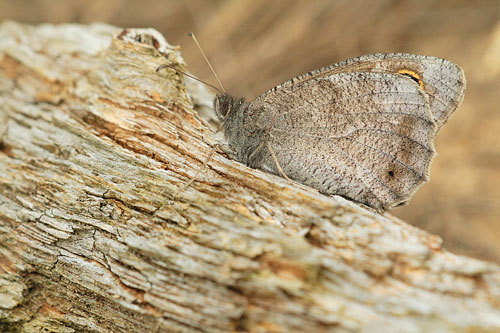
<point>443,81</point>
<point>367,136</point>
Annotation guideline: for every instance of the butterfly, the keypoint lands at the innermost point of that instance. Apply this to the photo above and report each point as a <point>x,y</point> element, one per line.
<point>362,128</point>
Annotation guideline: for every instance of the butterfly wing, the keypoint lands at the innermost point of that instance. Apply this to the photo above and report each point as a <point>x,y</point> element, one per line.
<point>443,81</point>
<point>367,136</point>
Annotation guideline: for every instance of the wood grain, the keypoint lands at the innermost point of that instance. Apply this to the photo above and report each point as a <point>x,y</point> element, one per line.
<point>95,235</point>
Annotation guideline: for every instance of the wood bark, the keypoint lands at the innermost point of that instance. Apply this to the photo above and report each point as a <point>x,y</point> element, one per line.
<point>98,233</point>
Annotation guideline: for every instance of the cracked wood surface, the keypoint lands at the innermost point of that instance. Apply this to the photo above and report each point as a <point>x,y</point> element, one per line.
<point>96,236</point>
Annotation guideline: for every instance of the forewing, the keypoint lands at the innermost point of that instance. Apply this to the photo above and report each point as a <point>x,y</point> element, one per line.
<point>443,81</point>
<point>366,136</point>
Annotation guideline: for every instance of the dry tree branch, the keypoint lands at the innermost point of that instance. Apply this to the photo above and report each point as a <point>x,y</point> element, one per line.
<point>94,145</point>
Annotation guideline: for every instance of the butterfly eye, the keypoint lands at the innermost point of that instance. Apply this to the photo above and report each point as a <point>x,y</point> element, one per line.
<point>412,75</point>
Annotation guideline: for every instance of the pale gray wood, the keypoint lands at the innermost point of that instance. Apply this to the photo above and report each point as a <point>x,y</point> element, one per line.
<point>93,237</point>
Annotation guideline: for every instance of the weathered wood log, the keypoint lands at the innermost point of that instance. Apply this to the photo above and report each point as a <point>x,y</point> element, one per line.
<point>97,233</point>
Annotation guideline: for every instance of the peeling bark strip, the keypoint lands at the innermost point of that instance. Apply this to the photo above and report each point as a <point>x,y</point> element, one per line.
<point>92,238</point>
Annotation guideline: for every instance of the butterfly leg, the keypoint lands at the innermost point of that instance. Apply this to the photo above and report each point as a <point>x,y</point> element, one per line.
<point>278,166</point>
<point>254,153</point>
<point>195,177</point>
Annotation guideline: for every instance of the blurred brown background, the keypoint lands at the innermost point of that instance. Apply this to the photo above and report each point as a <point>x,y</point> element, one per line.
<point>255,45</point>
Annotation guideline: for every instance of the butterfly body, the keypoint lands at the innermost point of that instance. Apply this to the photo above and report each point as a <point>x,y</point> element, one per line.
<point>362,128</point>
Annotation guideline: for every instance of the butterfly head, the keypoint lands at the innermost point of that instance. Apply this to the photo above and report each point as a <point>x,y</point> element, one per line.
<point>226,106</point>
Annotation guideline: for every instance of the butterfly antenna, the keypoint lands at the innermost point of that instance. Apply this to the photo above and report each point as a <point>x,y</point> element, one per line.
<point>206,59</point>
<point>188,75</point>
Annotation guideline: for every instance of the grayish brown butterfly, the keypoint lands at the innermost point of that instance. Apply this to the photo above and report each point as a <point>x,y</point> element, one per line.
<point>363,128</point>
